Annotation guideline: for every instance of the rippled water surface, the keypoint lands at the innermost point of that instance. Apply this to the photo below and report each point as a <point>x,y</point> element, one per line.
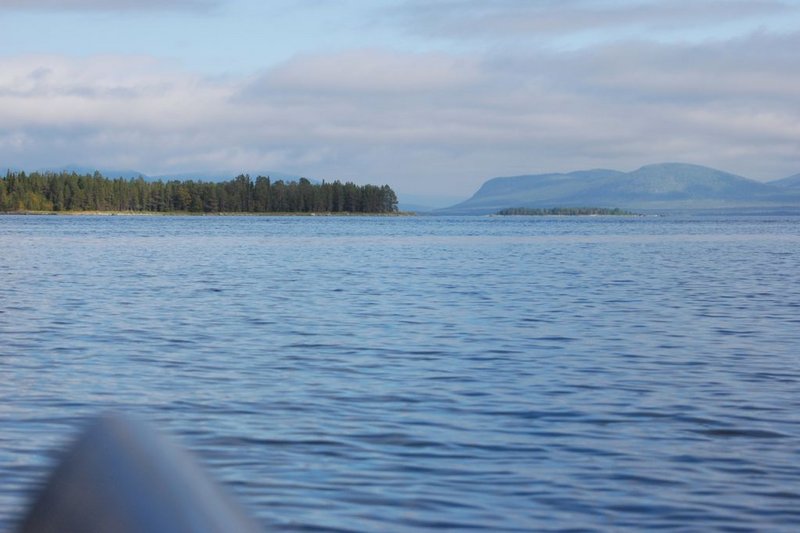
<point>421,373</point>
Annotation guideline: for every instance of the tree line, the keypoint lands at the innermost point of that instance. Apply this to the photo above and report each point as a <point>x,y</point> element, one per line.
<point>63,191</point>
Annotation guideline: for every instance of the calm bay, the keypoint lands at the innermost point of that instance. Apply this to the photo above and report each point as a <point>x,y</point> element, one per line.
<point>407,373</point>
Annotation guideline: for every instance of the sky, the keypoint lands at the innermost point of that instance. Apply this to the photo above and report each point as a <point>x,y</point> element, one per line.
<point>430,97</point>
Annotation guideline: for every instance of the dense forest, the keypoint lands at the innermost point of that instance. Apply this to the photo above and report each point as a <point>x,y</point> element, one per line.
<point>50,191</point>
<point>569,211</point>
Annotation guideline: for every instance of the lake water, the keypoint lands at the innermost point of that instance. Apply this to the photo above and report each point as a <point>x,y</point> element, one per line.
<point>503,374</point>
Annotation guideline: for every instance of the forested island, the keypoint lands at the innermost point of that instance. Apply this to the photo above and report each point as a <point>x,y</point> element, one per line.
<point>72,192</point>
<point>564,211</point>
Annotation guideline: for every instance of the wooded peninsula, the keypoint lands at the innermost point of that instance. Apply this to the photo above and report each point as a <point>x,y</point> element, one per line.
<point>72,192</point>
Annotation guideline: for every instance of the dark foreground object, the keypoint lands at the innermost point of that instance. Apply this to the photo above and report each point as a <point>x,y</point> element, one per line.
<point>123,476</point>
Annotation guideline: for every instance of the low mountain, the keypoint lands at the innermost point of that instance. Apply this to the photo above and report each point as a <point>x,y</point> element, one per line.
<point>660,186</point>
<point>425,203</point>
<point>225,176</point>
<point>414,208</point>
<point>540,190</point>
<point>180,176</point>
<point>83,170</point>
<point>792,182</point>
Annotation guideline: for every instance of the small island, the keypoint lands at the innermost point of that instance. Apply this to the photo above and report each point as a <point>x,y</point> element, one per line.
<point>564,211</point>
<point>63,192</point>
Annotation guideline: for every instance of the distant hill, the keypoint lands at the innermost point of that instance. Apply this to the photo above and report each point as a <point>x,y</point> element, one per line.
<point>425,203</point>
<point>792,182</point>
<point>414,208</point>
<point>109,173</point>
<point>180,176</point>
<point>652,187</point>
<point>224,176</point>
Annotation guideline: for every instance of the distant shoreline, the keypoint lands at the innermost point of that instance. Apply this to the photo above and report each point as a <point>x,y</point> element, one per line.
<point>565,212</point>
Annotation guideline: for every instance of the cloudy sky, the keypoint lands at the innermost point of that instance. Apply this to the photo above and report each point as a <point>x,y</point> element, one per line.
<point>432,97</point>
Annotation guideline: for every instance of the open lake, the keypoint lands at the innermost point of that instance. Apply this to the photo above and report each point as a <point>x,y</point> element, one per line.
<point>407,373</point>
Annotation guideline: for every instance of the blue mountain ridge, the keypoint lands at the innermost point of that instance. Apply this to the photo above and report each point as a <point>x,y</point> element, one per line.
<point>792,182</point>
<point>653,187</point>
<point>196,176</point>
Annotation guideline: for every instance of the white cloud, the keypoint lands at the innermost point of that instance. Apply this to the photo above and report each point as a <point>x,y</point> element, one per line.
<point>369,71</point>
<point>421,122</point>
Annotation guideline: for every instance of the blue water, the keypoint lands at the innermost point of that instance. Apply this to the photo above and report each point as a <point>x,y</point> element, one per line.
<point>503,374</point>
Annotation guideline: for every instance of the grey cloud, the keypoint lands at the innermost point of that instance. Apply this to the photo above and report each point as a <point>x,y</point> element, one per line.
<point>367,72</point>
